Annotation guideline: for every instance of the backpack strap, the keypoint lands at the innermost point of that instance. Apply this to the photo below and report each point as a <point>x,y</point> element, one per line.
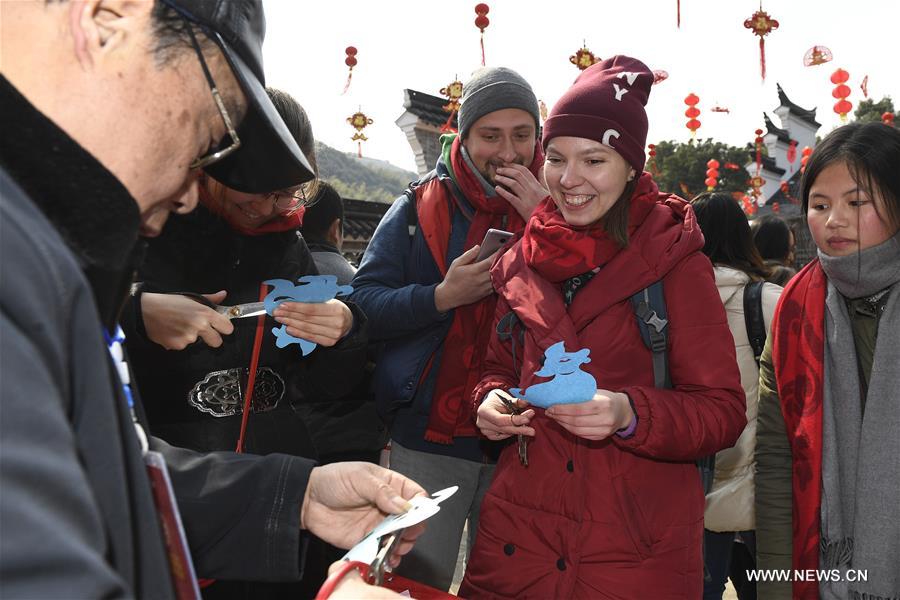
<point>650,309</point>
<point>753,318</point>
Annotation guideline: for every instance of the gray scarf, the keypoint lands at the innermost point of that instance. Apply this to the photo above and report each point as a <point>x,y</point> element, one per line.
<point>860,509</point>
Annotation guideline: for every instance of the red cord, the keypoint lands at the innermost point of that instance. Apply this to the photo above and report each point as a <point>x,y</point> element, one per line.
<point>251,377</point>
<point>335,578</point>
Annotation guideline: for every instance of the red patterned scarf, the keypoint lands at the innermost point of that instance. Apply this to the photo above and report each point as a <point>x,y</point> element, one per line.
<point>559,251</point>
<point>281,222</point>
<point>798,350</point>
<point>466,342</point>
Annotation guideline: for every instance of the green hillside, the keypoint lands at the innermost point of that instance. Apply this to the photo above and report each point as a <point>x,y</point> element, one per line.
<point>361,179</point>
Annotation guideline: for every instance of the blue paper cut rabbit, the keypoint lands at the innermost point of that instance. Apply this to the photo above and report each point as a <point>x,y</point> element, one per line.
<point>570,385</point>
<point>311,288</point>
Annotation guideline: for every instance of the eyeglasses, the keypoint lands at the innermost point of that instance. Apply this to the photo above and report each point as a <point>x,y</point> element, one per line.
<point>219,152</point>
<point>289,200</point>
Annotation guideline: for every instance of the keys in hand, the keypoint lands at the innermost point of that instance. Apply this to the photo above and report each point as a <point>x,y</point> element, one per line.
<point>510,403</point>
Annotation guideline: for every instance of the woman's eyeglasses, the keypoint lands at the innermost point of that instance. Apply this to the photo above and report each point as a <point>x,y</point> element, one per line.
<point>289,200</point>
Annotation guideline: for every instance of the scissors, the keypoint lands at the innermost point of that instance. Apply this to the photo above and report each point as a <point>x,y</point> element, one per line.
<point>238,311</point>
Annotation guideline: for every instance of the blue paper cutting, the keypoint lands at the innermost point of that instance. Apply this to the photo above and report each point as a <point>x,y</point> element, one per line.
<point>310,289</point>
<point>570,385</point>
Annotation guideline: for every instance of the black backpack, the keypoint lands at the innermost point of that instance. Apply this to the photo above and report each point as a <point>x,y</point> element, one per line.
<point>753,318</point>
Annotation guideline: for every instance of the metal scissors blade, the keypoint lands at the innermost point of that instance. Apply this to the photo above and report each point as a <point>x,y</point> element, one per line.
<point>240,311</point>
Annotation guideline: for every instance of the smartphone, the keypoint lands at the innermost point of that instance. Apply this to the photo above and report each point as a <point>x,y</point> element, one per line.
<point>494,239</point>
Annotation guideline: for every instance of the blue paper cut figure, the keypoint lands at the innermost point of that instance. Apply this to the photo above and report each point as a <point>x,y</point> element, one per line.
<point>570,385</point>
<point>312,289</point>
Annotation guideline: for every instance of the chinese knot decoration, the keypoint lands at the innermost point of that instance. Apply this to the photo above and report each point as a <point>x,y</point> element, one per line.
<point>350,61</point>
<point>712,174</point>
<point>481,22</point>
<point>583,58</point>
<point>817,55</point>
<point>692,113</point>
<point>887,118</point>
<point>543,110</point>
<point>804,157</point>
<point>762,25</point>
<point>359,121</point>
<point>453,91</point>
<point>841,91</point>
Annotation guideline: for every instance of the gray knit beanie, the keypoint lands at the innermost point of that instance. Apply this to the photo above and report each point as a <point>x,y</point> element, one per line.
<point>491,89</point>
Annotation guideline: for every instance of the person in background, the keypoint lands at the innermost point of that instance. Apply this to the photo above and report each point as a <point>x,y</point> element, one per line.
<point>729,539</point>
<point>234,241</point>
<point>775,242</point>
<point>430,302</point>
<point>610,502</point>
<point>349,427</point>
<point>828,434</point>
<point>104,133</point>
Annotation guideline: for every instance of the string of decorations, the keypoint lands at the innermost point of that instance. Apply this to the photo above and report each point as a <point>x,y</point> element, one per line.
<point>481,22</point>
<point>762,25</point>
<point>692,113</point>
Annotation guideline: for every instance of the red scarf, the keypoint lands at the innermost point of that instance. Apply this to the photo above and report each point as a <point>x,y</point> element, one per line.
<point>466,342</point>
<point>281,222</point>
<point>798,351</point>
<point>559,251</point>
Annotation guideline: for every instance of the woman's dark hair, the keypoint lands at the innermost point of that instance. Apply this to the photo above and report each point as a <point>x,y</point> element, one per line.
<point>872,154</point>
<point>772,237</point>
<point>727,234</point>
<point>298,124</point>
<point>615,222</point>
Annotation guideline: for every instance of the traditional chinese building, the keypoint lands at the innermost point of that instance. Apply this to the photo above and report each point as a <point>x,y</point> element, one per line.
<point>421,121</point>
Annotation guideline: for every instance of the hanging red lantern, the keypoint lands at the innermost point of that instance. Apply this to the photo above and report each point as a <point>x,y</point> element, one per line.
<point>887,118</point>
<point>786,190</point>
<point>659,76</point>
<point>762,25</point>
<point>652,162</point>
<point>692,113</point>
<point>817,55</point>
<point>583,58</point>
<point>804,157</point>
<point>359,121</point>
<point>792,151</point>
<point>453,91</point>
<point>481,22</point>
<point>712,174</point>
<point>841,91</point>
<point>758,143</point>
<point>350,61</point>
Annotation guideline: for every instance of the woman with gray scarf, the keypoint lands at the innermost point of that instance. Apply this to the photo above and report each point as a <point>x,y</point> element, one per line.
<point>828,436</point>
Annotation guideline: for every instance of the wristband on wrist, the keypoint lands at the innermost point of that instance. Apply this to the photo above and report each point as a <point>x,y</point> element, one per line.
<point>137,289</point>
<point>335,578</point>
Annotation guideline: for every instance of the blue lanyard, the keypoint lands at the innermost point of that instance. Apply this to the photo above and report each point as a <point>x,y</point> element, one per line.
<point>115,344</point>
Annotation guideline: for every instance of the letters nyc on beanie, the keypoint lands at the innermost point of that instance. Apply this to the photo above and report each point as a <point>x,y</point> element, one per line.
<point>606,104</point>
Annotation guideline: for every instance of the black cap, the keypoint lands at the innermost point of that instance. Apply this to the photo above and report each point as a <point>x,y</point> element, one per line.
<point>269,158</point>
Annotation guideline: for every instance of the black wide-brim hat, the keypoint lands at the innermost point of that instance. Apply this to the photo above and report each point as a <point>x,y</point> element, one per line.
<point>269,158</point>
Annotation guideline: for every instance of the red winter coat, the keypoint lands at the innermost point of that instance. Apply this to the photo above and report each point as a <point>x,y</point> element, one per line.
<point>616,518</point>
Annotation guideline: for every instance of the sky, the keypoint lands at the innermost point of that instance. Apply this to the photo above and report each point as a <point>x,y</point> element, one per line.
<point>426,44</point>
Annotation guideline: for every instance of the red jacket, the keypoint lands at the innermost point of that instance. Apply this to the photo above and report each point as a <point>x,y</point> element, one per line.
<point>616,518</point>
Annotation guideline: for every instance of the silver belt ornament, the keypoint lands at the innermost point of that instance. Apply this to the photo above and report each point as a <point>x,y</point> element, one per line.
<point>221,393</point>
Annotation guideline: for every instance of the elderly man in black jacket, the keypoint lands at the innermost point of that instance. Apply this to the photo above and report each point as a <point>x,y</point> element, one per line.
<point>109,109</point>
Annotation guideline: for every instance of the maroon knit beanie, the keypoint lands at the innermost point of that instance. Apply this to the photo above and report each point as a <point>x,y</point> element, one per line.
<point>606,104</point>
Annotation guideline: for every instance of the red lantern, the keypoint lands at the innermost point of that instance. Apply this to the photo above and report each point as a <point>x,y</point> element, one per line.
<point>652,162</point>
<point>712,174</point>
<point>841,91</point>
<point>692,113</point>
<point>817,55</point>
<point>804,157</point>
<point>350,61</point>
<point>481,22</point>
<point>583,58</point>
<point>659,76</point>
<point>762,25</point>
<point>453,91</point>
<point>887,118</point>
<point>359,121</point>
<point>792,152</point>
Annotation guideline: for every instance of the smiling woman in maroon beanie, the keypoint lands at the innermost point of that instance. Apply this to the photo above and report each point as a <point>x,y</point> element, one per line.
<point>610,503</point>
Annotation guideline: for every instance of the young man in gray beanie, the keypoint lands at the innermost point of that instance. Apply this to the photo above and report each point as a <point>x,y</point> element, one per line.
<point>432,305</point>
